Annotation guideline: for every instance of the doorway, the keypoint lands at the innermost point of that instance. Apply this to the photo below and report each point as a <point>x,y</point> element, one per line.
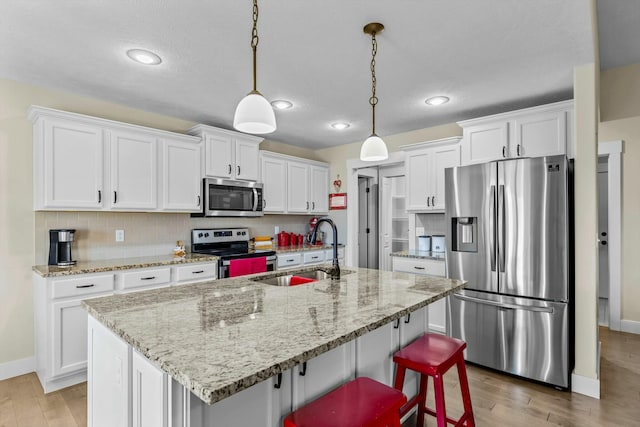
<point>603,240</point>
<point>367,222</point>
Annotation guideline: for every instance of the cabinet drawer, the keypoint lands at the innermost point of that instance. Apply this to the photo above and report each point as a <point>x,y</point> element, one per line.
<point>83,285</point>
<point>197,272</point>
<point>314,257</point>
<point>328,254</point>
<point>138,278</point>
<point>419,266</point>
<point>289,260</point>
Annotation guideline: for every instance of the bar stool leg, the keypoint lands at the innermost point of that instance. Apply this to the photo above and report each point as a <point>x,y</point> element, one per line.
<point>422,403</point>
<point>464,388</point>
<point>441,411</point>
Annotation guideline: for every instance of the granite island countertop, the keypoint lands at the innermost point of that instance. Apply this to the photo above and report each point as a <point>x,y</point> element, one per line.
<point>414,253</point>
<point>218,338</point>
<point>88,267</point>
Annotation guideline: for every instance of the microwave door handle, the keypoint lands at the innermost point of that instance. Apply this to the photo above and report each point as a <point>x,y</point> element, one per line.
<point>255,199</point>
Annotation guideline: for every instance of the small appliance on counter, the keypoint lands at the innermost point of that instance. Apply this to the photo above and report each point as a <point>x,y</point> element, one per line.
<point>60,247</point>
<point>424,243</point>
<point>437,243</point>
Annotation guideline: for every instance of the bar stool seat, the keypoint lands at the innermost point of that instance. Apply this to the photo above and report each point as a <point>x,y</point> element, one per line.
<point>362,402</point>
<point>432,355</point>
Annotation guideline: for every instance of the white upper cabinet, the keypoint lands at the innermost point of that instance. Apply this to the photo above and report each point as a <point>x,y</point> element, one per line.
<point>274,176</point>
<point>63,151</point>
<point>88,163</point>
<point>182,183</point>
<point>134,176</point>
<point>294,185</point>
<point>228,154</point>
<point>425,163</point>
<point>532,132</point>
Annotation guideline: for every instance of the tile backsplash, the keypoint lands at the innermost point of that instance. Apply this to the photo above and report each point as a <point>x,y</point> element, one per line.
<point>146,234</point>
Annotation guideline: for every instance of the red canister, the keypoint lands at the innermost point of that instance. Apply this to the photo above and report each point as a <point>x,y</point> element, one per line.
<point>283,239</point>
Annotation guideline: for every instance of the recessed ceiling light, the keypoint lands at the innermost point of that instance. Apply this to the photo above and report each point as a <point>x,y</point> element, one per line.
<point>144,56</point>
<point>437,100</point>
<point>282,104</point>
<point>340,125</point>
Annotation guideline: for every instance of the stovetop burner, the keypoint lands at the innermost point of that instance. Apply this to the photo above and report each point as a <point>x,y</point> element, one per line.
<point>229,243</point>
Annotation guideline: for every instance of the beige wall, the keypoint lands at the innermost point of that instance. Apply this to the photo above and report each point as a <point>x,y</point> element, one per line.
<point>24,234</point>
<point>620,120</point>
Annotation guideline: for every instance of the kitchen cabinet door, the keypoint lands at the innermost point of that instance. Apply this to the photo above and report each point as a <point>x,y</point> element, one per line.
<point>485,142</point>
<point>69,337</point>
<point>219,152</point>
<point>374,353</point>
<point>181,180</point>
<point>322,374</point>
<point>443,157</point>
<point>419,185</point>
<point>297,187</point>
<point>246,159</point>
<point>72,157</point>
<point>148,393</point>
<point>134,176</point>
<point>541,134</point>
<point>274,181</point>
<point>319,189</point>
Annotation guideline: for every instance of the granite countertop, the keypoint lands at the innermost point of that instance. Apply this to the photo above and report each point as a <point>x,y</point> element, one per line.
<point>303,248</point>
<point>218,338</point>
<point>88,267</point>
<point>414,253</point>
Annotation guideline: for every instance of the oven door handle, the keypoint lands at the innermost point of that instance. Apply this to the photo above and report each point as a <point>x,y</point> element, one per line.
<point>255,200</point>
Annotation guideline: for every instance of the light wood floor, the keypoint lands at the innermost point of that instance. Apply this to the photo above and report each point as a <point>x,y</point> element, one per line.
<point>498,400</point>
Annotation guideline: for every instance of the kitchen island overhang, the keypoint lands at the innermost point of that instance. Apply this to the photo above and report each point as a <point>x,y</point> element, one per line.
<point>221,337</point>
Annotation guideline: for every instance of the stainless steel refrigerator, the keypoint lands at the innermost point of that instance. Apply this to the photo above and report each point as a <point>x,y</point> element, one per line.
<point>508,236</point>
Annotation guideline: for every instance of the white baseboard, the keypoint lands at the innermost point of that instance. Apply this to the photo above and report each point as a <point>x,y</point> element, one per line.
<point>630,326</point>
<point>587,386</point>
<point>17,367</point>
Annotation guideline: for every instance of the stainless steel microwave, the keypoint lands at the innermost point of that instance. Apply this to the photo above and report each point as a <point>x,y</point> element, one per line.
<point>224,197</point>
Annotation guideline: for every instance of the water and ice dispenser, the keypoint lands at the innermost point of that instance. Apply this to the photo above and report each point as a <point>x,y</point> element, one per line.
<point>464,234</point>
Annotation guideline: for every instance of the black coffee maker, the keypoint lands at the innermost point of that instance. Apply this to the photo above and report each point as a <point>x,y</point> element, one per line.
<point>60,247</point>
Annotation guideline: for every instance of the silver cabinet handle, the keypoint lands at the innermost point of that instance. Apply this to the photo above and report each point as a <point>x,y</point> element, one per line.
<point>229,169</point>
<point>148,278</point>
<point>85,286</point>
<point>197,272</point>
<point>504,151</point>
<point>115,197</point>
<point>99,196</point>
<point>518,150</point>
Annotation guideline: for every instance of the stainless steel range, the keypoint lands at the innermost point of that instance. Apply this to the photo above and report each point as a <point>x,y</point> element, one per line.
<point>232,246</point>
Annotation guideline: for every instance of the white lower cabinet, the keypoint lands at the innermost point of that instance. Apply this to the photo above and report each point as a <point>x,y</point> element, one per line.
<point>313,257</point>
<point>428,267</point>
<point>61,321</point>
<point>148,393</point>
<point>375,350</point>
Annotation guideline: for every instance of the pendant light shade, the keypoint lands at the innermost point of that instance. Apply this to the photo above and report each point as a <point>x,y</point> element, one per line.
<point>254,114</point>
<point>373,149</point>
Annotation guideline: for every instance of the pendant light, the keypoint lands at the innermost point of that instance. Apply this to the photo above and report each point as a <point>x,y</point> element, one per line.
<point>373,149</point>
<point>254,114</point>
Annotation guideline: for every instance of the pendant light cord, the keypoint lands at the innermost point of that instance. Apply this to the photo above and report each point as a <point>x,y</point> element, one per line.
<point>254,43</point>
<point>374,99</point>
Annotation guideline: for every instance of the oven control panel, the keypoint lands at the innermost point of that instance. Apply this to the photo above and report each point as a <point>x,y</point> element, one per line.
<point>217,235</point>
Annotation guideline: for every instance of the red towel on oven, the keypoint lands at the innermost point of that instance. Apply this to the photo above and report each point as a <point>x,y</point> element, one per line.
<point>244,266</point>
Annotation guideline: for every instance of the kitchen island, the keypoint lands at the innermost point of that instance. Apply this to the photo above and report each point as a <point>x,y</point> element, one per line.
<point>168,355</point>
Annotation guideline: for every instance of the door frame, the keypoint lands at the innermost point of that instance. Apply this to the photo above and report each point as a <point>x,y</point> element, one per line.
<point>353,170</point>
<point>613,150</point>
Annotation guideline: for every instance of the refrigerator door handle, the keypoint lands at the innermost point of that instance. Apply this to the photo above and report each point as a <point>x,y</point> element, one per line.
<point>501,228</point>
<point>492,228</point>
<point>505,305</point>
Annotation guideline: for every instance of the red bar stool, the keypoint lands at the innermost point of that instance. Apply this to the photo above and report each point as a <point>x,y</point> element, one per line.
<point>432,355</point>
<point>362,402</point>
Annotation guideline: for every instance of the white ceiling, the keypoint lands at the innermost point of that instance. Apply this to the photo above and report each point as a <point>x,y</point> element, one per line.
<point>488,56</point>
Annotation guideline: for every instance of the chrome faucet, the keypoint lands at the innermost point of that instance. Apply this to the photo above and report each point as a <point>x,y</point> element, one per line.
<point>335,270</point>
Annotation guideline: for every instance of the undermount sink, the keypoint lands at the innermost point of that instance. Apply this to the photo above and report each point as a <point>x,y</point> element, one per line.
<point>296,278</point>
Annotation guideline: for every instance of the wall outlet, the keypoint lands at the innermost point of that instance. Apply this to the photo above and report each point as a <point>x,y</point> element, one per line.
<point>119,235</point>
<point>277,230</point>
